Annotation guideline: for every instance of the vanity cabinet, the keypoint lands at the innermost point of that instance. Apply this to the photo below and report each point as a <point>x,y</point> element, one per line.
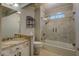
<point>25,49</point>
<point>20,49</point>
<point>6,52</point>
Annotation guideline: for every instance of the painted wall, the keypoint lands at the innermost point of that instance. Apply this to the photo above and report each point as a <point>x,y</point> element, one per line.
<point>28,11</point>
<point>10,25</point>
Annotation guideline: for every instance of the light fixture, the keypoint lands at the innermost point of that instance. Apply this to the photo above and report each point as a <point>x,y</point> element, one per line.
<point>18,12</point>
<point>15,5</point>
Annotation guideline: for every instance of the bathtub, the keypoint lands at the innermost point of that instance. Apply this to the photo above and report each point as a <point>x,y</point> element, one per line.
<point>60,48</point>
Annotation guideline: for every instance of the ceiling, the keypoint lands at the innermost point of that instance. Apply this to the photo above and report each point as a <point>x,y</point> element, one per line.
<point>16,8</point>
<point>5,11</point>
<point>53,5</point>
<point>7,8</point>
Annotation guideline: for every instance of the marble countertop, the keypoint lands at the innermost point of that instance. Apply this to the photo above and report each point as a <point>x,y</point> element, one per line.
<point>11,43</point>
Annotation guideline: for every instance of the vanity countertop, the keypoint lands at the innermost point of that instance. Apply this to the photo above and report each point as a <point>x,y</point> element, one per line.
<point>11,43</point>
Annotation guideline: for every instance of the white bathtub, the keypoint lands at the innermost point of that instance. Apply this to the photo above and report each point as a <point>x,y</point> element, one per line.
<point>60,48</point>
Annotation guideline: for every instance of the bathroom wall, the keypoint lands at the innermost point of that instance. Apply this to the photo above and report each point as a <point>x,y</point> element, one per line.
<point>65,26</point>
<point>76,16</point>
<point>10,25</point>
<point>76,9</point>
<point>16,23</point>
<point>27,11</point>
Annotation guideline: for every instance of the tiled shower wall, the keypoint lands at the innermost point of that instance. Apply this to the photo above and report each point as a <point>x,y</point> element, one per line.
<point>62,29</point>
